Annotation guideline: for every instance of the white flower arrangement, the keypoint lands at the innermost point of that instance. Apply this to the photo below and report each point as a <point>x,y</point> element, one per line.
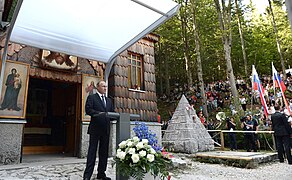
<point>137,149</point>
<point>136,157</point>
<point>150,157</point>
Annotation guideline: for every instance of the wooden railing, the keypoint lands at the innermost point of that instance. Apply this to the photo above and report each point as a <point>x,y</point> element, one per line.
<point>221,132</point>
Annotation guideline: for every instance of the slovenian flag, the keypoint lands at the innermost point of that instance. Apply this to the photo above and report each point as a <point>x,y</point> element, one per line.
<point>258,87</point>
<point>277,81</point>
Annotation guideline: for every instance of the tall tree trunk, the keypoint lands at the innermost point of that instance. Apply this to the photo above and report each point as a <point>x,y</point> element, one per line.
<point>288,4</point>
<point>277,39</point>
<point>241,39</point>
<point>184,36</point>
<point>1,8</point>
<point>224,16</point>
<point>199,61</point>
<point>166,76</point>
<point>159,64</point>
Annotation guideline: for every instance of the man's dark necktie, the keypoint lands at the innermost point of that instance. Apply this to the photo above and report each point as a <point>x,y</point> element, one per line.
<point>103,100</point>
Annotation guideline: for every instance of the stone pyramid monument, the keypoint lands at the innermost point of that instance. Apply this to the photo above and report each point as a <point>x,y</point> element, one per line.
<point>185,132</point>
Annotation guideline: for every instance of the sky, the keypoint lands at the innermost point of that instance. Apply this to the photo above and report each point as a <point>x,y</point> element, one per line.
<point>260,5</point>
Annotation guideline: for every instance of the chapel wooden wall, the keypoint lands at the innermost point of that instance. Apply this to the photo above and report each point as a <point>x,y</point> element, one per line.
<point>31,56</point>
<point>125,100</point>
<point>135,101</point>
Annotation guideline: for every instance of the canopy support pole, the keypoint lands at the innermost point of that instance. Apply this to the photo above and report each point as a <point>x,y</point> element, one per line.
<point>9,31</point>
<point>149,7</point>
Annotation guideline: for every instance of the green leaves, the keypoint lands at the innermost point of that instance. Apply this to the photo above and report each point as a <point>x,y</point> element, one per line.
<point>159,167</point>
<point>261,47</point>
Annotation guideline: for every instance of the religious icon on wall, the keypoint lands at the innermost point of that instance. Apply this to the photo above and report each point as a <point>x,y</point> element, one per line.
<point>58,60</point>
<point>89,83</point>
<point>14,90</point>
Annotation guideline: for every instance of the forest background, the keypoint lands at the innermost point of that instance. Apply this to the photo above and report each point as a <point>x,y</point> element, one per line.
<point>213,40</point>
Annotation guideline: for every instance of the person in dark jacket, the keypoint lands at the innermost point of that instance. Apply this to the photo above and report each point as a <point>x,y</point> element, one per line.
<point>231,126</point>
<point>282,132</point>
<point>99,131</point>
<point>247,125</point>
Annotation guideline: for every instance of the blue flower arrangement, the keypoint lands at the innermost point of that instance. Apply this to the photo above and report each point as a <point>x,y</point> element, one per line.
<point>141,154</point>
<point>142,132</point>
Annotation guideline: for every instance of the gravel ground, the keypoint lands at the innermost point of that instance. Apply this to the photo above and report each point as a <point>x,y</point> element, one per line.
<point>73,170</point>
<point>203,171</point>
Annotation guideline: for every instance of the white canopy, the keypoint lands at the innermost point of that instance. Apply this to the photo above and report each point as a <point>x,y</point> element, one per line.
<point>93,29</point>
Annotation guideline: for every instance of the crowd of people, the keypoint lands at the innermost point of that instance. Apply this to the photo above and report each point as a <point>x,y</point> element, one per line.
<point>219,98</point>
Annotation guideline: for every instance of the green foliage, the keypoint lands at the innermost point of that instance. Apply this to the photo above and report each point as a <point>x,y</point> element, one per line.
<point>258,33</point>
<point>11,12</point>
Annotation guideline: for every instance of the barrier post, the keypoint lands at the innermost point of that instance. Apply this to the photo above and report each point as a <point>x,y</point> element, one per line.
<point>222,140</point>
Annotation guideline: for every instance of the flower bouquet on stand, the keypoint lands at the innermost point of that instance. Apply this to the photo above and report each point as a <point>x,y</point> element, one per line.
<point>140,155</point>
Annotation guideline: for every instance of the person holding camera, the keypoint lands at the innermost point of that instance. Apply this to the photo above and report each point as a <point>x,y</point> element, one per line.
<point>247,125</point>
<point>231,125</point>
<point>282,132</point>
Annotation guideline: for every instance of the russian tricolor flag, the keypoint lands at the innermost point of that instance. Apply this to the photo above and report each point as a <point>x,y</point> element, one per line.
<point>258,87</point>
<point>277,81</point>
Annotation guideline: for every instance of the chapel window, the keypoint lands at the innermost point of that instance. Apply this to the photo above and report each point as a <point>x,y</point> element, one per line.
<point>135,71</point>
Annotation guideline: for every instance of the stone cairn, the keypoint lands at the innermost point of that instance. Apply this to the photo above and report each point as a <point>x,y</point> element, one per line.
<point>185,132</point>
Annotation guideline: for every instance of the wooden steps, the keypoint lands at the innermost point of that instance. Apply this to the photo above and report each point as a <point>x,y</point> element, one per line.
<point>42,149</point>
<point>236,158</point>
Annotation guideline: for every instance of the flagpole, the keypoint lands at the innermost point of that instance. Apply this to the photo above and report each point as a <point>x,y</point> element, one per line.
<point>273,76</point>
<point>252,89</point>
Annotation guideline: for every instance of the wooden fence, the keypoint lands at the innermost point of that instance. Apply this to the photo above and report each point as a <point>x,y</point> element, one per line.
<point>221,133</point>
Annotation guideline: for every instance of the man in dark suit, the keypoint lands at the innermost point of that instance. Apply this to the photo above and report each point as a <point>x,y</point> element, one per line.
<point>99,128</point>
<point>282,134</point>
<point>247,124</point>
